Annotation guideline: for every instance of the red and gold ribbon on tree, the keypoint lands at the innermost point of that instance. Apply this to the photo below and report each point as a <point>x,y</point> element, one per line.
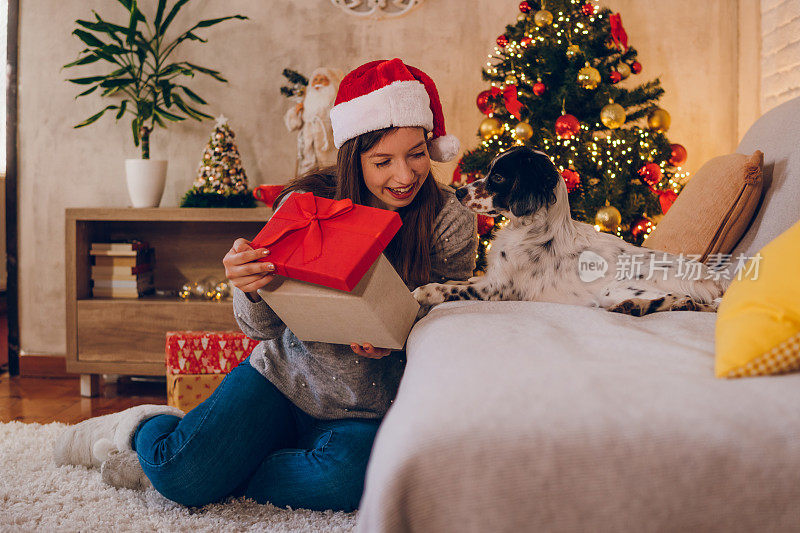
<point>618,32</point>
<point>509,93</point>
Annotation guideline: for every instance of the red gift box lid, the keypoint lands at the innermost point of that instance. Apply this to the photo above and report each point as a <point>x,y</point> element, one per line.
<point>327,242</point>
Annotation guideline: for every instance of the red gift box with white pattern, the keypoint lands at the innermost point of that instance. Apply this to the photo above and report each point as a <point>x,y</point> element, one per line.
<point>206,352</point>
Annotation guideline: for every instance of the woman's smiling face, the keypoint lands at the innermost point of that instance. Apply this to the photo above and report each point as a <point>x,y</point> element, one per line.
<point>396,167</point>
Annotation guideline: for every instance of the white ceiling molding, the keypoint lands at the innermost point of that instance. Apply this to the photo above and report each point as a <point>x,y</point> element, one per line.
<point>376,9</point>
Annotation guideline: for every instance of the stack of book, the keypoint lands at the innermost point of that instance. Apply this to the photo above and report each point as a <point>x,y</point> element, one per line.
<point>122,269</point>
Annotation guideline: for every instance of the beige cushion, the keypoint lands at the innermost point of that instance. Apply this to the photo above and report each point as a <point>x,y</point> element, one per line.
<point>713,210</point>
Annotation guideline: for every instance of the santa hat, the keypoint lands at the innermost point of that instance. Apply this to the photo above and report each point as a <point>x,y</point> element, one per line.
<point>383,94</point>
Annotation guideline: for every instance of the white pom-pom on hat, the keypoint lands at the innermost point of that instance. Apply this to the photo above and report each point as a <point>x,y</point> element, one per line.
<point>444,148</point>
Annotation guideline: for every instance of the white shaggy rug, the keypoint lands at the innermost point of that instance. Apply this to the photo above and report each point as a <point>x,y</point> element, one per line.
<point>35,495</point>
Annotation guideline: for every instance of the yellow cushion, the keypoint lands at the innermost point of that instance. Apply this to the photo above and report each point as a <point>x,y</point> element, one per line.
<point>758,327</point>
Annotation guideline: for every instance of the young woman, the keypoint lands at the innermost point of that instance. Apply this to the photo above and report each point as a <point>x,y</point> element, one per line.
<point>294,423</point>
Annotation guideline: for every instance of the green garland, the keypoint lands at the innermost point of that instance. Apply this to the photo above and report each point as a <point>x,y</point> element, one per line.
<point>195,198</point>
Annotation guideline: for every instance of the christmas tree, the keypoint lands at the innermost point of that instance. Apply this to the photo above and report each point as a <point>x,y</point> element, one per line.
<point>555,84</point>
<point>221,181</point>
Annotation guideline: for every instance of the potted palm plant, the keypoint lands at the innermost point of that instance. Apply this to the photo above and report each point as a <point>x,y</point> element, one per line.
<point>148,81</point>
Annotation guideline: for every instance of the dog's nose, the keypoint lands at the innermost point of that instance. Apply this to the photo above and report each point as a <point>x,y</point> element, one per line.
<point>461,193</point>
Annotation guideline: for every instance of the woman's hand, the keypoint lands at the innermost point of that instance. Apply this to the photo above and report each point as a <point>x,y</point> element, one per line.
<point>242,268</point>
<point>367,350</point>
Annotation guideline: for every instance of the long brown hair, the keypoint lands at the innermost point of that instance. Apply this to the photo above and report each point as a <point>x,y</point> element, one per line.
<point>409,251</point>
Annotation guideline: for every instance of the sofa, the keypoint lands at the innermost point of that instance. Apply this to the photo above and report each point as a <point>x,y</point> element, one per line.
<point>528,416</point>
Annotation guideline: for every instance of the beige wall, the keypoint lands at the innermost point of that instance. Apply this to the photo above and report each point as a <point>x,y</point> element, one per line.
<point>692,46</point>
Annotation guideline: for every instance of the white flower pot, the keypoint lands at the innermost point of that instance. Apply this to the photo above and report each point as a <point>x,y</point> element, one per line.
<point>146,179</point>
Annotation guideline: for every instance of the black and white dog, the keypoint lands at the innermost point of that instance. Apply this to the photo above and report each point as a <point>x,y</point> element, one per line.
<point>544,255</point>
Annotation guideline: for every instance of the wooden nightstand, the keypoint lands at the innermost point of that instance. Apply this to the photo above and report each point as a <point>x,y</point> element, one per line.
<point>127,336</point>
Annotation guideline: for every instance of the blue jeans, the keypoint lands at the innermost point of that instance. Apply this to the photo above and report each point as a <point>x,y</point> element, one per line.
<point>248,439</point>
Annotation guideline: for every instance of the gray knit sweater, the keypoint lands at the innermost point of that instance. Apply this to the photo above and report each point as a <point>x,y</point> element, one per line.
<point>329,381</point>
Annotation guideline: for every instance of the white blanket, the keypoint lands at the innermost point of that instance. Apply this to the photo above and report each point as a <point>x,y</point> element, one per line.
<point>522,416</point>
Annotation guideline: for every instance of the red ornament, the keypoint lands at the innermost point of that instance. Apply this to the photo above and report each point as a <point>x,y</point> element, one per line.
<point>485,224</point>
<point>538,88</point>
<point>678,156</point>
<point>526,41</point>
<point>502,41</point>
<point>616,77</point>
<point>640,227</point>
<point>483,103</point>
<point>636,67</point>
<point>525,7</point>
<point>666,199</point>
<point>571,178</point>
<point>567,126</point>
<point>588,9</point>
<point>650,173</point>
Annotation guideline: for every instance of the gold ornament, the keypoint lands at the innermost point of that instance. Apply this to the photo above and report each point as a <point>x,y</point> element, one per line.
<point>589,77</point>
<point>204,289</point>
<point>221,290</point>
<point>613,115</point>
<point>624,69</point>
<point>543,18</point>
<point>659,120</point>
<point>186,291</point>
<point>523,131</point>
<point>573,50</point>
<point>608,218</point>
<point>511,80</point>
<point>490,126</point>
<point>522,17</point>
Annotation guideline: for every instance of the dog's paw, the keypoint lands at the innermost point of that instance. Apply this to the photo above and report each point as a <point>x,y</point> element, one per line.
<point>631,306</point>
<point>428,295</point>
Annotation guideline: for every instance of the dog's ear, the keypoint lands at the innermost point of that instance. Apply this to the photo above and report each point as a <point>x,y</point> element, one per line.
<point>534,186</point>
<point>521,199</point>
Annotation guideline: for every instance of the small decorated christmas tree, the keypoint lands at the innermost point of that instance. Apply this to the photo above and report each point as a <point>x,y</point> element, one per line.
<point>221,180</point>
<point>555,85</point>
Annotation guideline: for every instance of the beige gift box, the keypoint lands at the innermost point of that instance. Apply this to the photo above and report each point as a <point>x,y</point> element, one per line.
<point>380,310</point>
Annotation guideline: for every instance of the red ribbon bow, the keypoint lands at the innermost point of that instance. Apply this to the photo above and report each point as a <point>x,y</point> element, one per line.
<point>307,206</point>
<point>617,31</point>
<point>509,92</point>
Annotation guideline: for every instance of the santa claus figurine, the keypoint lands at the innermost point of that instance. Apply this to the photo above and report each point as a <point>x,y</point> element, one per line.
<point>312,117</point>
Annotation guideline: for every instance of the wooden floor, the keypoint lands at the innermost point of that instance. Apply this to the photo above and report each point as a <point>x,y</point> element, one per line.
<point>46,400</point>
